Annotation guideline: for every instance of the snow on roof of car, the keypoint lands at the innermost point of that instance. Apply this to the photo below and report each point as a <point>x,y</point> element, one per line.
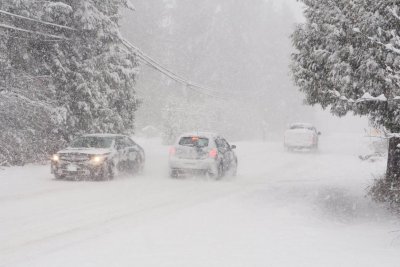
<point>301,124</point>
<point>200,134</point>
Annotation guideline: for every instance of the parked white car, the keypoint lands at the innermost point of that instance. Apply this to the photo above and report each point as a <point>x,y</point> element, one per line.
<point>300,136</point>
<point>202,153</point>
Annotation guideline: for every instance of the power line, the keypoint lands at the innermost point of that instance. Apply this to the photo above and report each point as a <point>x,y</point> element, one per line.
<point>29,38</point>
<point>188,83</point>
<point>12,28</point>
<point>148,60</point>
<point>37,20</point>
<point>154,64</point>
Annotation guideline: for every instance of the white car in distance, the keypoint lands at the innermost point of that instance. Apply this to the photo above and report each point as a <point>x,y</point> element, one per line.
<point>301,136</point>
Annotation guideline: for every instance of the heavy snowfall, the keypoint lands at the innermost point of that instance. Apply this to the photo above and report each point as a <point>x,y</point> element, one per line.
<point>199,133</point>
<point>301,209</point>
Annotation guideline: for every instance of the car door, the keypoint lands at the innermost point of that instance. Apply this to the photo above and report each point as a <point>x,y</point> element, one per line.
<point>223,151</point>
<point>229,154</point>
<point>133,150</point>
<point>315,136</point>
<point>122,154</point>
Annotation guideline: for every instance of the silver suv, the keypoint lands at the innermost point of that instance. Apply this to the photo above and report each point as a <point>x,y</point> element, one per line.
<point>98,156</point>
<point>202,153</point>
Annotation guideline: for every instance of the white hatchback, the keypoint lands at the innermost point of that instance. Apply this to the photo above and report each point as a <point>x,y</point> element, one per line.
<point>202,153</point>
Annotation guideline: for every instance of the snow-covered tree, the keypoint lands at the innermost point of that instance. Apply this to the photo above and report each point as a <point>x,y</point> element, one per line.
<point>347,59</point>
<point>63,87</point>
<point>94,74</point>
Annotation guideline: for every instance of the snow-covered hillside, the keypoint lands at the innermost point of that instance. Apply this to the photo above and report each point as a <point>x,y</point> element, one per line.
<point>283,209</point>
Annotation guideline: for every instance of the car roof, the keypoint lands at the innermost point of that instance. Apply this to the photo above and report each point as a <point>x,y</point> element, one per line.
<point>302,124</point>
<point>199,134</point>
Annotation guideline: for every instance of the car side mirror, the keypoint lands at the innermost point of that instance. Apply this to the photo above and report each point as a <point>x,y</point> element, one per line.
<point>233,147</point>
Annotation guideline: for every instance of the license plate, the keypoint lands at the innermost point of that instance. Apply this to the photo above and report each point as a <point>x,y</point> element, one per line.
<point>72,168</point>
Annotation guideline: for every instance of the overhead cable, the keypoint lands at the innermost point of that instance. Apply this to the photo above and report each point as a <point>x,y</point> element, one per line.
<point>142,56</point>
<point>12,28</point>
<point>154,64</point>
<point>36,20</point>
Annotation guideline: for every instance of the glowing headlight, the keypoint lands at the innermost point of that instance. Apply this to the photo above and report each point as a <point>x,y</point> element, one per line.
<point>97,159</point>
<point>56,157</point>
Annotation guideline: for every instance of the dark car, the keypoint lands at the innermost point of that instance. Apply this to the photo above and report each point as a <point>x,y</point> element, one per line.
<point>202,153</point>
<point>98,157</point>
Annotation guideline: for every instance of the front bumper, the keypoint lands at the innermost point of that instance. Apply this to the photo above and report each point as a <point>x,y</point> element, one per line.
<point>299,144</point>
<point>77,169</point>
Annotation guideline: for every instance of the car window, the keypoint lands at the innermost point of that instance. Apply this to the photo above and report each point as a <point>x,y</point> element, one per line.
<point>128,142</point>
<point>194,141</point>
<point>92,142</point>
<point>221,143</point>
<point>299,126</point>
<point>119,143</point>
<point>226,144</point>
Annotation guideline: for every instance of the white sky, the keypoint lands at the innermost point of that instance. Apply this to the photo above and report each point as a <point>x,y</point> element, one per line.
<point>294,4</point>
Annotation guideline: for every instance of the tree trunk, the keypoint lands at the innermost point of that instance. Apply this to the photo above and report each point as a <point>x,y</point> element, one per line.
<point>393,163</point>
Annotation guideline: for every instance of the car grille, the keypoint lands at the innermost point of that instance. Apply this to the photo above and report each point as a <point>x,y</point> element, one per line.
<point>74,157</point>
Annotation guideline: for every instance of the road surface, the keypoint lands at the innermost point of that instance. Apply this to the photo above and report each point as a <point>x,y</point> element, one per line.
<point>283,209</point>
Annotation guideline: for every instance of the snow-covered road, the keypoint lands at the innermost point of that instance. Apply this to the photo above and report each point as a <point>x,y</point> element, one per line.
<point>283,209</point>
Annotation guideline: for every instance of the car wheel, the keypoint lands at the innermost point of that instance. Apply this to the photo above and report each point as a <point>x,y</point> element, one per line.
<point>218,174</point>
<point>288,148</point>
<point>108,173</point>
<point>137,166</point>
<point>58,176</point>
<point>234,169</point>
<point>314,147</point>
<point>173,173</point>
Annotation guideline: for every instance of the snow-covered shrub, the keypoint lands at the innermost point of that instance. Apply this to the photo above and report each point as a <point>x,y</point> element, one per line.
<point>385,191</point>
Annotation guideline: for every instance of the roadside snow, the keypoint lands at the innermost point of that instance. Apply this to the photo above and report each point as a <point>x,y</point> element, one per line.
<point>283,209</point>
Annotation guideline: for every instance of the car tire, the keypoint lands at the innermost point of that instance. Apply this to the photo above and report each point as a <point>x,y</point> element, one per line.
<point>108,173</point>
<point>314,148</point>
<point>288,149</point>
<point>219,174</point>
<point>173,173</point>
<point>58,176</point>
<point>137,166</point>
<point>234,169</point>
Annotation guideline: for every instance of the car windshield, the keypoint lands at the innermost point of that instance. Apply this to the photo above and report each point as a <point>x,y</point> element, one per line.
<point>299,126</point>
<point>92,142</point>
<point>194,141</point>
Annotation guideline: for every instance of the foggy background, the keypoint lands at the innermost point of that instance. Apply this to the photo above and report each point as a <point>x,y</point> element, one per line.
<point>241,51</point>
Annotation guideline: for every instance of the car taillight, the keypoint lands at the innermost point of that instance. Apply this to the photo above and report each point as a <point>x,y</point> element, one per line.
<point>213,153</point>
<point>172,151</point>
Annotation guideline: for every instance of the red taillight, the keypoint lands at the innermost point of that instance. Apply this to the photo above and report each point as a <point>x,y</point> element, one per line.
<point>172,151</point>
<point>213,153</point>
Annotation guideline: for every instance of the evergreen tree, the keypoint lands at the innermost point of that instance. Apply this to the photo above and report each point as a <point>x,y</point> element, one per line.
<point>347,59</point>
<point>89,78</point>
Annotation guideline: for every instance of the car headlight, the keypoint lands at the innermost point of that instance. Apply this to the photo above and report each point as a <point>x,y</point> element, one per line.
<point>98,159</point>
<point>56,157</point>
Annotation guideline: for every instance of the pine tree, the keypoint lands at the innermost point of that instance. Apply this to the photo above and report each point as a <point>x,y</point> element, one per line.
<point>347,60</point>
<point>94,75</point>
<point>88,83</point>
